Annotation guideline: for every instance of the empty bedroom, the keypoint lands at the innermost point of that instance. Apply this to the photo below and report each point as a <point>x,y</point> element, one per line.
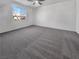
<point>39,29</point>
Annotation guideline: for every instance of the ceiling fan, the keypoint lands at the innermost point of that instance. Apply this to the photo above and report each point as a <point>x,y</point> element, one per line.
<point>36,2</point>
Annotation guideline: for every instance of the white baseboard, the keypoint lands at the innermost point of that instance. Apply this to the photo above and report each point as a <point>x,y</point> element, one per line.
<point>78,32</point>
<point>57,28</point>
<point>11,29</point>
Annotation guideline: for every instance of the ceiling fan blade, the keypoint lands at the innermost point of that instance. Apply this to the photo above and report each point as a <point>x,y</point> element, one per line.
<point>41,0</point>
<point>40,3</point>
<point>36,0</point>
<point>30,0</point>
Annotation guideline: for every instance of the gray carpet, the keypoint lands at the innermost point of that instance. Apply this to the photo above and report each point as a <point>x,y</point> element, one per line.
<point>36,42</point>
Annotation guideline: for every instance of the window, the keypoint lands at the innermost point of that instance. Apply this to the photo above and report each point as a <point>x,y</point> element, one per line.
<point>19,12</point>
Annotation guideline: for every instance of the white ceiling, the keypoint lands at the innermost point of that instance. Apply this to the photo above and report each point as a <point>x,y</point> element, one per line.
<point>46,2</point>
<point>2,2</point>
<point>28,3</point>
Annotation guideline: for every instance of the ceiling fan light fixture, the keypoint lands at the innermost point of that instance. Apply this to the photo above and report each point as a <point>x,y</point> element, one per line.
<point>36,3</point>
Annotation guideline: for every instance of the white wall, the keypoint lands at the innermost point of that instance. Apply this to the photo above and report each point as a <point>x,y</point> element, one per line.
<point>6,21</point>
<point>77,16</point>
<point>60,15</point>
<point>34,15</point>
